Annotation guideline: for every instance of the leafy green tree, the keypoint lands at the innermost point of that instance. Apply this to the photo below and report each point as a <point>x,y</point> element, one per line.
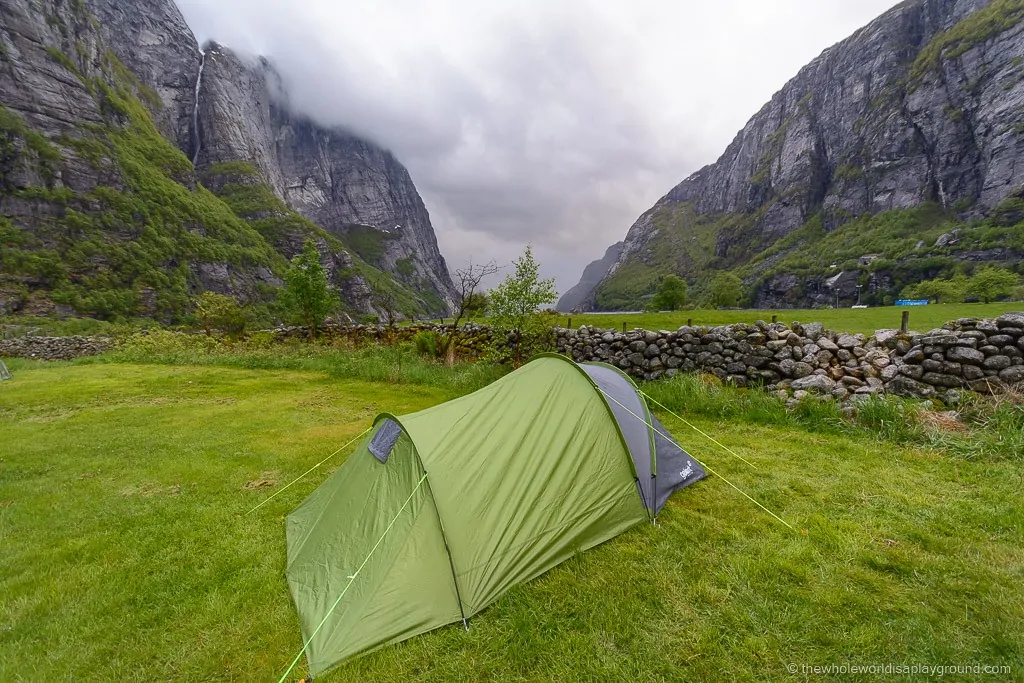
<point>220,312</point>
<point>726,290</point>
<point>991,283</point>
<point>476,304</point>
<point>514,303</point>
<point>671,294</point>
<point>307,296</point>
<point>939,290</point>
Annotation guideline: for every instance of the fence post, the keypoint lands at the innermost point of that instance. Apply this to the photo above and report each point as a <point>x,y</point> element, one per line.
<point>905,325</point>
<point>775,319</point>
<point>623,327</point>
<point>689,322</point>
<point>568,325</point>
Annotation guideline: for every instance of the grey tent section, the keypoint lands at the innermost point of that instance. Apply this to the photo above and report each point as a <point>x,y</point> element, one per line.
<point>4,372</point>
<point>676,468</point>
<point>637,434</point>
<point>662,466</point>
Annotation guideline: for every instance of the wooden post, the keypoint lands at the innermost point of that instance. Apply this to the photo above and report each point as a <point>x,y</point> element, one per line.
<point>568,325</point>
<point>623,327</point>
<point>689,322</point>
<point>905,325</point>
<point>775,319</point>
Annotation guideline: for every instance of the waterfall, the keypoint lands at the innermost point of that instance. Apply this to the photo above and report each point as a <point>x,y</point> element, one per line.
<point>195,109</point>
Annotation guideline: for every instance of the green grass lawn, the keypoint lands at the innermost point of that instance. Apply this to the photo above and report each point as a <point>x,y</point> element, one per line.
<point>126,552</point>
<point>865,320</point>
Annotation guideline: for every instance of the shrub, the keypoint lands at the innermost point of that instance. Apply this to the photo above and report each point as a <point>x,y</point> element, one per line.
<point>427,343</point>
<point>220,312</point>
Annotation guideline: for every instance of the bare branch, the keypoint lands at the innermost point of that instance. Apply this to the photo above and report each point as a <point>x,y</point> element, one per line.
<point>467,281</point>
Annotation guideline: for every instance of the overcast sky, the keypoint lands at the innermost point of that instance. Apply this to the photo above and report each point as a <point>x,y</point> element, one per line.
<point>554,122</point>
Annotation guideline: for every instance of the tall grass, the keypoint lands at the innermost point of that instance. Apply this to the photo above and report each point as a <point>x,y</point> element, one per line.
<point>395,364</point>
<point>982,430</point>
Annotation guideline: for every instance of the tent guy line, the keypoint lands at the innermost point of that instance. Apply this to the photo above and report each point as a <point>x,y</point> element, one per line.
<point>353,577</point>
<point>702,464</point>
<point>281,490</point>
<point>694,428</point>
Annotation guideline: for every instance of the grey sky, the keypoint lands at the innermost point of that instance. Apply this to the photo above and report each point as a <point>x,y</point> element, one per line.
<point>556,123</point>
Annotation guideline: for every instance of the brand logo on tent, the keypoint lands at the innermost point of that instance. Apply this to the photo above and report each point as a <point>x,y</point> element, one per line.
<point>688,471</point>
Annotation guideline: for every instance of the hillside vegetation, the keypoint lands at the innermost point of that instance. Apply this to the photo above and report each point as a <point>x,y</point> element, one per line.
<point>904,247</point>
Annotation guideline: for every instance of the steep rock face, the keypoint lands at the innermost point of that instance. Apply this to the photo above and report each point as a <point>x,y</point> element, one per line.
<point>99,214</point>
<point>151,38</point>
<point>355,190</point>
<point>592,275</point>
<point>37,86</point>
<point>922,105</point>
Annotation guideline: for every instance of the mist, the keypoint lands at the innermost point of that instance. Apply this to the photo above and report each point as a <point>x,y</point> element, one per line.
<point>555,124</point>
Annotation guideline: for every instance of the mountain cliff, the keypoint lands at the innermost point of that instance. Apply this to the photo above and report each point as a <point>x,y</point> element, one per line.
<point>894,156</point>
<point>592,276</point>
<point>353,189</point>
<point>135,172</point>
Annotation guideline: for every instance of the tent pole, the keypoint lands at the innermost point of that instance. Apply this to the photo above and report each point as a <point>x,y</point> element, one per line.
<point>451,562</point>
<point>654,492</point>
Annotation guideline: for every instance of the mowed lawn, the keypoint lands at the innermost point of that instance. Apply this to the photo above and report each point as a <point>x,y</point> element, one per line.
<point>126,552</point>
<point>863,320</point>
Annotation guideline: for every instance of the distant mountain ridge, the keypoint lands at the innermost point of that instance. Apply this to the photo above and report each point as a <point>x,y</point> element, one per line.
<point>908,130</point>
<point>592,276</point>
<point>136,171</point>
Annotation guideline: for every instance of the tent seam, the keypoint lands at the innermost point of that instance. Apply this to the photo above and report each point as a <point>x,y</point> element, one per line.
<point>611,414</point>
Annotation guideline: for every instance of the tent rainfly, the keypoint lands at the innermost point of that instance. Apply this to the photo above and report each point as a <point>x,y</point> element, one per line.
<point>4,372</point>
<point>437,514</point>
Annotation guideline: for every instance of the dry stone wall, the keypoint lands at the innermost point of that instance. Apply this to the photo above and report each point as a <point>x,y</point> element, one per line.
<point>53,348</point>
<point>802,359</point>
<point>471,340</point>
<point>795,360</point>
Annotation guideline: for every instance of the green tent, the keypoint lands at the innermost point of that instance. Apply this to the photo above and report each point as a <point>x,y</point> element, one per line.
<point>439,513</point>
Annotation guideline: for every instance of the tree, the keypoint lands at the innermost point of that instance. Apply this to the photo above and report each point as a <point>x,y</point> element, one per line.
<point>387,305</point>
<point>671,294</point>
<point>306,295</point>
<point>939,290</point>
<point>468,301</point>
<point>991,283</point>
<point>515,302</point>
<point>220,312</point>
<point>476,305</point>
<point>726,290</point>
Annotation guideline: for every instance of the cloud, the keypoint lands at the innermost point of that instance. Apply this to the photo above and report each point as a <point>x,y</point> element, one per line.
<point>554,123</point>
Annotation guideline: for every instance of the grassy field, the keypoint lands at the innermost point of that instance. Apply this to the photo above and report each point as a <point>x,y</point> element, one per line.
<point>865,320</point>
<point>126,552</point>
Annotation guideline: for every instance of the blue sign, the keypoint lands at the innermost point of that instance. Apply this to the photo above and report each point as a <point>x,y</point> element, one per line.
<point>912,302</point>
